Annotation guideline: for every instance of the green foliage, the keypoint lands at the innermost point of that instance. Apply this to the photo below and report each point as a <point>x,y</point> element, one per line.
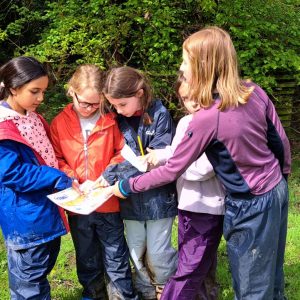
<point>266,36</point>
<point>20,25</point>
<point>148,35</point>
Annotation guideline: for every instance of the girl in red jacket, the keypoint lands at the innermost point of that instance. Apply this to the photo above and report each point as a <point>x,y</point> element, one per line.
<point>86,140</point>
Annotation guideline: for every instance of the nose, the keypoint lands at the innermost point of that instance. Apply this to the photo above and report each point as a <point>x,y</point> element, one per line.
<point>119,111</point>
<point>40,97</point>
<point>181,67</point>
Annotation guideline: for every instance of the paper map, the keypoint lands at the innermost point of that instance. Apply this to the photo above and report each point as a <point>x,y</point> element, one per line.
<point>84,204</point>
<point>130,156</point>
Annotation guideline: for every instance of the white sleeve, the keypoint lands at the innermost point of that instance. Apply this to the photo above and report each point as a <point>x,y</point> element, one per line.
<point>164,154</point>
<point>200,170</point>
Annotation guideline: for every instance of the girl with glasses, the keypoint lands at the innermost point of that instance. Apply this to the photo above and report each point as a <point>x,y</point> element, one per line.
<point>86,140</point>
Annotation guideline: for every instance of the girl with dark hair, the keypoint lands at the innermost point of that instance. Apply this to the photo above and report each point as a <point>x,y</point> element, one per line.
<point>31,224</point>
<point>148,216</point>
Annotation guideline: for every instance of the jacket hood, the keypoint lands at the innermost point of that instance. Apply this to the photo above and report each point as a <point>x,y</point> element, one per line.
<point>7,113</point>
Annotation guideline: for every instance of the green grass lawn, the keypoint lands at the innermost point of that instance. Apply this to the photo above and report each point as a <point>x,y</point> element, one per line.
<point>65,286</point>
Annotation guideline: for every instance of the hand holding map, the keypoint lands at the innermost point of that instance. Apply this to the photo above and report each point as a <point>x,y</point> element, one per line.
<point>85,203</point>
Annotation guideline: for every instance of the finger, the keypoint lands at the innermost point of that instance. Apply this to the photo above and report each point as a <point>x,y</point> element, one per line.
<point>149,150</point>
<point>76,186</point>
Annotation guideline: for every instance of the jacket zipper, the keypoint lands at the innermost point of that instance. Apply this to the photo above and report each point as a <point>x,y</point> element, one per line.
<point>85,149</point>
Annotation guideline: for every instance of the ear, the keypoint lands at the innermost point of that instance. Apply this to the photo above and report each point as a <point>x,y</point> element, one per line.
<point>13,91</point>
<point>139,93</point>
<point>71,92</point>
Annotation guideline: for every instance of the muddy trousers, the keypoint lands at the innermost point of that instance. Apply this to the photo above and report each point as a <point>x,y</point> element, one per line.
<point>28,270</point>
<point>255,230</point>
<point>152,254</point>
<point>199,236</point>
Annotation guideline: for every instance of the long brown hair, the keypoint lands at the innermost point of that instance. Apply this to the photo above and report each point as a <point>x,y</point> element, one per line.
<point>88,76</point>
<point>125,82</point>
<point>214,66</point>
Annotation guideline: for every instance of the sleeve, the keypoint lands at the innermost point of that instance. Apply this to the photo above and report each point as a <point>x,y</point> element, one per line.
<point>277,139</point>
<point>200,170</point>
<point>27,177</point>
<point>164,131</point>
<point>190,148</point>
<point>55,139</point>
<point>118,145</point>
<point>164,154</point>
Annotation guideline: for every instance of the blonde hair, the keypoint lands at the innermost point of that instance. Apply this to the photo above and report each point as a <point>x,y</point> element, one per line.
<point>88,77</point>
<point>125,82</point>
<point>214,66</point>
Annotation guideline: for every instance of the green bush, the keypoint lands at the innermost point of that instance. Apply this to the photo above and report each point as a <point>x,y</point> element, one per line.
<point>148,35</point>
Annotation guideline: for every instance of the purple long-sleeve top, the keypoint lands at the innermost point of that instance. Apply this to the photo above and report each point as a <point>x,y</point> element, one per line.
<point>246,145</point>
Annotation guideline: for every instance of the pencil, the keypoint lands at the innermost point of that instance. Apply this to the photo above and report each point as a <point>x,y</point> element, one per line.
<point>140,145</point>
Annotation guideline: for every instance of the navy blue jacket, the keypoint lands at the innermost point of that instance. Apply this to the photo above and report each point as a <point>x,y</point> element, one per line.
<point>154,204</point>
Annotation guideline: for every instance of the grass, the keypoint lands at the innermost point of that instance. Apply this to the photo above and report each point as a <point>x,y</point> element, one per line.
<point>65,286</point>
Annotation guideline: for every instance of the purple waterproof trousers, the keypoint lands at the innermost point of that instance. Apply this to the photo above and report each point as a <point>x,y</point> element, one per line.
<point>199,236</point>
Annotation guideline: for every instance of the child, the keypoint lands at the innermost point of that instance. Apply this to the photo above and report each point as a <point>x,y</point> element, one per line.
<point>148,216</point>
<point>86,140</point>
<point>242,136</point>
<point>200,217</point>
<point>31,224</point>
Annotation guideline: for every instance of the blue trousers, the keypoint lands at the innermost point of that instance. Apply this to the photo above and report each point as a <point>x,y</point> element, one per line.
<point>255,230</point>
<point>101,249</point>
<point>28,270</point>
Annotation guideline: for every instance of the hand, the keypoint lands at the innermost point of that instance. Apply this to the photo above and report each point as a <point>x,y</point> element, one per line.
<point>101,182</point>
<point>151,157</point>
<point>76,186</point>
<point>116,191</point>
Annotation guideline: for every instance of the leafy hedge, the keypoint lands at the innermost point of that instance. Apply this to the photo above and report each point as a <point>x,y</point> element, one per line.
<point>148,34</point>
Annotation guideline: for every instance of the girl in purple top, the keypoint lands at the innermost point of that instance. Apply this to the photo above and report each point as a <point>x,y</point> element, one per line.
<point>242,136</point>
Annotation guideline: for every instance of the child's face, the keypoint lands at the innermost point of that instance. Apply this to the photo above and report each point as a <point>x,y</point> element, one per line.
<point>87,103</point>
<point>29,96</point>
<point>185,67</point>
<point>126,106</point>
<point>190,105</point>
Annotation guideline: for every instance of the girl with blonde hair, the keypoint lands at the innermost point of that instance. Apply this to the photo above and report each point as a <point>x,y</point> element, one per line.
<point>238,129</point>
<point>86,139</point>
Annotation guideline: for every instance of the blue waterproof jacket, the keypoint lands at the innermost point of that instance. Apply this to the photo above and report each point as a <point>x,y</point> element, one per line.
<point>27,216</point>
<point>154,204</point>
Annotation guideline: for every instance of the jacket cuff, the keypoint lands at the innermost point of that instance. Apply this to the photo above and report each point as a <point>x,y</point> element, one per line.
<point>63,182</point>
<point>124,187</point>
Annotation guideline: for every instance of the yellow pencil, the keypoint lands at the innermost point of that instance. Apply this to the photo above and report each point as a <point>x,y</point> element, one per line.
<point>141,146</point>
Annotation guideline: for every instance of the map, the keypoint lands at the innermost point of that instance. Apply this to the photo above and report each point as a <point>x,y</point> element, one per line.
<point>84,204</point>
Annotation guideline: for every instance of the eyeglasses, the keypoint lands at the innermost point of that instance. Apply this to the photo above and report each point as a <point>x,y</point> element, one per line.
<point>83,104</point>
